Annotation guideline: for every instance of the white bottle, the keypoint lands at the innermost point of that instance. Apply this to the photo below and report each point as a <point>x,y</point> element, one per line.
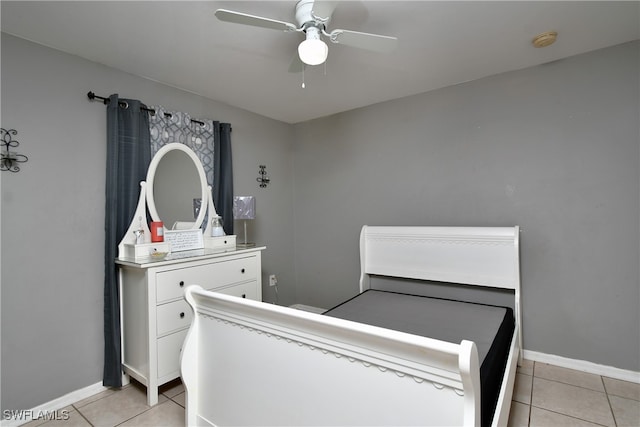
<point>216,226</point>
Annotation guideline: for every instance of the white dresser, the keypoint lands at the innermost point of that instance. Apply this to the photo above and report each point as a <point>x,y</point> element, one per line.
<point>155,316</point>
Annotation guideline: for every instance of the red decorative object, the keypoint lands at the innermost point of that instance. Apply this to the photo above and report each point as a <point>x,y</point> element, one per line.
<point>157,231</point>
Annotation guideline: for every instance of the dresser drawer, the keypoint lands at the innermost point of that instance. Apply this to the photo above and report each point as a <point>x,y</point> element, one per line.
<point>171,284</point>
<point>169,348</point>
<point>173,316</point>
<point>244,290</point>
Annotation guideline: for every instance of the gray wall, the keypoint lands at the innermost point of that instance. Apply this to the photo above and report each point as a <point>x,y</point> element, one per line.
<point>53,212</point>
<point>554,149</point>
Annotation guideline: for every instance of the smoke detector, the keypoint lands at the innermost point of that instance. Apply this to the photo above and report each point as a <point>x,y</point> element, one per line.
<point>544,39</point>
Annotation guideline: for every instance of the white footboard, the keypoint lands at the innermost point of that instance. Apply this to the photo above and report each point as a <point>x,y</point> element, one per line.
<point>250,363</point>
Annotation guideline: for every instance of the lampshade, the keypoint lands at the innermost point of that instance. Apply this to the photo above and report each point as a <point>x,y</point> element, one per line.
<point>313,51</point>
<point>244,207</point>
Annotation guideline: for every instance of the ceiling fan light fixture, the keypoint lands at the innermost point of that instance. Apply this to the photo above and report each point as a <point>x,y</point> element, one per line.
<point>313,51</point>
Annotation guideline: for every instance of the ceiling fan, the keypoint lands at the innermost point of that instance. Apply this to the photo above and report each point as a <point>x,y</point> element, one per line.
<point>312,17</point>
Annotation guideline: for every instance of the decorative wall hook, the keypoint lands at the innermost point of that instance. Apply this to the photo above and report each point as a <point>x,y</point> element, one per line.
<point>263,179</point>
<point>9,159</point>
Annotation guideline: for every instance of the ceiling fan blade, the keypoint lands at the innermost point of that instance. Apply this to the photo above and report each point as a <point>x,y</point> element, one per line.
<point>255,21</point>
<point>374,42</point>
<point>323,9</point>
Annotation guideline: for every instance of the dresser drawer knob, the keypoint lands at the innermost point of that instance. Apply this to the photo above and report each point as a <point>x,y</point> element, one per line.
<point>182,283</point>
<point>182,315</point>
<point>244,295</point>
<point>242,271</point>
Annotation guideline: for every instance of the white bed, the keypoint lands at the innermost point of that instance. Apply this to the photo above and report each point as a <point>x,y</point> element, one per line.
<point>251,363</point>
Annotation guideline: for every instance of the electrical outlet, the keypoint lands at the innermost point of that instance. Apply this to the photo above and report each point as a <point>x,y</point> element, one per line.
<point>273,280</point>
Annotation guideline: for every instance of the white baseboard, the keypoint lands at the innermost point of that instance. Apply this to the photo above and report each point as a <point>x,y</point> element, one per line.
<point>49,408</point>
<point>584,366</point>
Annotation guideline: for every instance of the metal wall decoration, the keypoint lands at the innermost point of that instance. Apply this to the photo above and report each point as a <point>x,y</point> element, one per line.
<point>9,159</point>
<point>263,179</point>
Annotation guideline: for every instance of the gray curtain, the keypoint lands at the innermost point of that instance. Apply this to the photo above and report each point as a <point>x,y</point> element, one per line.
<point>223,174</point>
<point>128,157</point>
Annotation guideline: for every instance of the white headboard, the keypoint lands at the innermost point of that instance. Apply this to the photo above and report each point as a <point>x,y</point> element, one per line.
<point>481,256</point>
<point>485,256</point>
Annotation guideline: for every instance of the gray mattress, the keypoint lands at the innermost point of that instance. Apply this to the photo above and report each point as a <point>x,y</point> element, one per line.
<point>442,319</point>
<point>490,327</point>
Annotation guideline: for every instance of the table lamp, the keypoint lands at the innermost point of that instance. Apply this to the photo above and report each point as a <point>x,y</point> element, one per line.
<point>244,208</point>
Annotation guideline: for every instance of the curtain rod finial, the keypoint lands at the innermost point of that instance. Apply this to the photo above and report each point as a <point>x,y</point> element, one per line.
<point>92,96</point>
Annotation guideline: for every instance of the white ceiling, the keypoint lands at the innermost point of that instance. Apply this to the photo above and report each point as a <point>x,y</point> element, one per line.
<point>182,44</point>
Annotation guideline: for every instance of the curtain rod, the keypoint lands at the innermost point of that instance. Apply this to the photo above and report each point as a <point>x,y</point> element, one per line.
<point>92,96</point>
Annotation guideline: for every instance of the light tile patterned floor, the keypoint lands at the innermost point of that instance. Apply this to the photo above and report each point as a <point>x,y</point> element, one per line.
<point>544,395</point>
<point>547,395</point>
<point>125,407</point>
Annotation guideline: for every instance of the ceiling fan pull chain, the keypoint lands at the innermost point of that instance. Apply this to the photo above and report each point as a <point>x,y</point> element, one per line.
<point>303,67</point>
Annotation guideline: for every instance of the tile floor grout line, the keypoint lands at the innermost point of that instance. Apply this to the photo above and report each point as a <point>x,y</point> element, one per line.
<point>572,385</point>
<point>148,409</point>
<point>613,414</point>
<point>621,395</point>
<point>176,402</point>
<point>569,416</point>
<point>85,418</point>
<point>533,371</point>
<point>137,415</point>
<point>112,389</point>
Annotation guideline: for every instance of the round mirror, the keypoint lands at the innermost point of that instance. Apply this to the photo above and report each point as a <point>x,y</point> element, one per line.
<point>175,184</point>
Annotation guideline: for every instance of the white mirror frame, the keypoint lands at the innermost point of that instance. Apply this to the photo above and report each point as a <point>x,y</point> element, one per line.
<point>151,176</point>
